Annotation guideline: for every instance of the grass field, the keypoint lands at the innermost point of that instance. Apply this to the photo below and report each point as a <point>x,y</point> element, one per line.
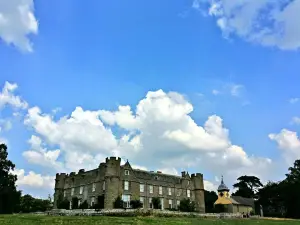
<point>49,220</point>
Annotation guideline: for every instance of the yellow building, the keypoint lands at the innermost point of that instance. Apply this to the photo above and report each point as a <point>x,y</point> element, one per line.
<point>232,204</point>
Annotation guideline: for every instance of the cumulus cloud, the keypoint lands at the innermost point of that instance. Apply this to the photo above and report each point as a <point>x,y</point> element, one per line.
<point>33,180</point>
<point>289,143</point>
<point>266,22</point>
<point>17,23</point>
<point>7,96</point>
<point>158,135</point>
<point>41,156</point>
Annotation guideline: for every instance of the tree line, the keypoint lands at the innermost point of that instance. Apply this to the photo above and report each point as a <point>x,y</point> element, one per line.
<point>278,199</point>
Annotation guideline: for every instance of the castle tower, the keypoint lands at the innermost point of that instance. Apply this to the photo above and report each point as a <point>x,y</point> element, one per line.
<point>59,188</point>
<point>199,192</point>
<point>112,181</point>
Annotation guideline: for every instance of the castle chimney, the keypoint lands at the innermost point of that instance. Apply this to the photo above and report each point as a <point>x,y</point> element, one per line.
<point>183,173</point>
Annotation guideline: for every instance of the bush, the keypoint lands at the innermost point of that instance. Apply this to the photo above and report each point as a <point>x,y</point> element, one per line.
<point>136,204</point>
<point>64,204</point>
<point>156,203</point>
<point>75,203</point>
<point>187,206</point>
<point>118,203</point>
<point>84,205</point>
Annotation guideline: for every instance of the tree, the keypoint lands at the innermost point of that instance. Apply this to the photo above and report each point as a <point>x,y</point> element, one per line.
<point>29,204</point>
<point>247,186</point>
<point>186,205</point>
<point>118,203</point>
<point>9,196</point>
<point>210,198</point>
<point>156,203</point>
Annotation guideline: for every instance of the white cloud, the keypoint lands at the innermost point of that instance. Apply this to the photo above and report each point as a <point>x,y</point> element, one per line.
<point>289,143</point>
<point>296,120</point>
<point>33,180</point>
<point>7,97</point>
<point>17,22</point>
<point>236,90</point>
<point>209,186</point>
<point>294,100</point>
<point>269,23</point>
<point>41,156</point>
<point>215,92</point>
<point>159,135</point>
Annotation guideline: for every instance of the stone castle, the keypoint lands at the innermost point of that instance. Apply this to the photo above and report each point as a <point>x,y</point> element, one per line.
<point>111,179</point>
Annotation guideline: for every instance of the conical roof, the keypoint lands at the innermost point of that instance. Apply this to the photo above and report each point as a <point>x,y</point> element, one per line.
<point>222,186</point>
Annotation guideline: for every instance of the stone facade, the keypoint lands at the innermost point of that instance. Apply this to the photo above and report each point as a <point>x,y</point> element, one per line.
<point>111,179</point>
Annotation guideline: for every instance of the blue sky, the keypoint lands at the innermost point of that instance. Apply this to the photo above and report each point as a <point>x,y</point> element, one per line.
<point>99,55</point>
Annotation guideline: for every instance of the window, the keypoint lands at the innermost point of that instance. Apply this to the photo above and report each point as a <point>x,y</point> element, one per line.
<point>188,182</point>
<point>170,204</point>
<point>81,190</point>
<point>103,187</point>
<point>178,203</point>
<point>92,201</point>
<point>94,187</point>
<point>151,189</point>
<point>126,200</point>
<point>72,191</point>
<point>150,203</point>
<point>141,187</point>
<point>160,190</point>
<point>162,203</point>
<point>170,191</point>
<point>64,193</point>
<point>188,193</point>
<point>126,172</point>
<point>70,204</point>
<point>126,185</point>
<point>142,201</point>
<point>79,202</point>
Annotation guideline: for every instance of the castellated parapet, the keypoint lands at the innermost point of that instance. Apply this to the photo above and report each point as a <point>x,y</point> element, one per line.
<point>111,179</point>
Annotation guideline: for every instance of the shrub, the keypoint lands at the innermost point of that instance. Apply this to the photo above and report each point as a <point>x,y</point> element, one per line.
<point>187,206</point>
<point>84,205</point>
<point>156,203</point>
<point>75,203</point>
<point>136,204</point>
<point>118,203</point>
<point>64,204</point>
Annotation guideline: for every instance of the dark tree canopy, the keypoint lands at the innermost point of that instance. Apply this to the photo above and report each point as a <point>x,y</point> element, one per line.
<point>247,186</point>
<point>9,196</point>
<point>210,198</point>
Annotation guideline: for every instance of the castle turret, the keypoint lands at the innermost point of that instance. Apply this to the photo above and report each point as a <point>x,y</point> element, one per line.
<point>59,188</point>
<point>197,180</point>
<point>112,181</point>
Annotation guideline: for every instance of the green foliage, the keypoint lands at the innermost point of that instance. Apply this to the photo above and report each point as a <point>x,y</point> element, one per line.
<point>186,205</point>
<point>74,203</point>
<point>156,203</point>
<point>9,196</point>
<point>210,198</point>
<point>118,203</point>
<point>84,205</point>
<point>63,204</point>
<point>247,186</point>
<point>136,204</point>
<point>29,204</point>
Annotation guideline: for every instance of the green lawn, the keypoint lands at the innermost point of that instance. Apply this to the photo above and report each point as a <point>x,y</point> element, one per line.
<point>99,220</point>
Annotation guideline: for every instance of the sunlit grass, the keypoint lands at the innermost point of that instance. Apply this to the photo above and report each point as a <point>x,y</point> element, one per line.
<point>104,220</point>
